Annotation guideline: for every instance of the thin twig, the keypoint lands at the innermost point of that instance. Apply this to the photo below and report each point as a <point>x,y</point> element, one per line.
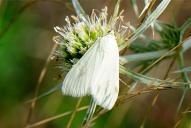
<point>163,56</point>
<point>146,12</point>
<point>185,78</point>
<point>55,117</point>
<point>149,109</point>
<point>73,114</point>
<point>157,94</point>
<point>186,112</point>
<point>177,123</point>
<point>124,98</point>
<point>120,101</point>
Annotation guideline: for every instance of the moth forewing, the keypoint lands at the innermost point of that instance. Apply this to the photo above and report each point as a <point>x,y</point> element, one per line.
<point>96,73</point>
<point>105,90</point>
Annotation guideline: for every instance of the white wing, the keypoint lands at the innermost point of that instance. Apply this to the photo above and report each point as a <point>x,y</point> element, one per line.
<point>96,73</point>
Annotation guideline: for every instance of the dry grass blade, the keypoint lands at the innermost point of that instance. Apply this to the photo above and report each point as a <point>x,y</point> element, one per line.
<point>128,97</point>
<point>162,57</point>
<point>157,94</point>
<point>55,117</point>
<point>146,24</point>
<point>153,55</point>
<point>145,12</point>
<point>177,123</point>
<point>149,109</point>
<point>186,112</point>
<point>125,97</point>
<point>42,74</point>
<point>98,115</point>
<point>74,113</point>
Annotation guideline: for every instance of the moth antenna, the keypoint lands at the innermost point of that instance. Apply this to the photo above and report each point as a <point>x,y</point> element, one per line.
<point>89,113</point>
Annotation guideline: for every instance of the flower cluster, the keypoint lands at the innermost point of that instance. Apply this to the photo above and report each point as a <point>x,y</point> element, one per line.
<point>76,38</point>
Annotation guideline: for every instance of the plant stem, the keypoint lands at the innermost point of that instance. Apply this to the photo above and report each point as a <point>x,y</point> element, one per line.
<point>73,114</point>
<point>185,77</point>
<point>181,64</point>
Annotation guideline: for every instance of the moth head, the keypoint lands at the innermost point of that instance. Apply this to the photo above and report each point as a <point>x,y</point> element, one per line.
<point>108,42</point>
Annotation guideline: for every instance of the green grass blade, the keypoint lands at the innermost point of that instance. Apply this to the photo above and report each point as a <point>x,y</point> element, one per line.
<point>142,56</point>
<point>152,55</point>
<point>148,80</point>
<point>135,7</point>
<point>185,26</point>
<point>186,69</point>
<point>79,10</point>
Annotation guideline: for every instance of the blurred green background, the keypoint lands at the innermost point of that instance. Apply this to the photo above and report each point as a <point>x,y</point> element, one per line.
<point>26,31</point>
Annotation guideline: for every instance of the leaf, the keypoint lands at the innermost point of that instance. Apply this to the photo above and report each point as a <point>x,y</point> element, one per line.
<point>146,24</point>
<point>170,35</point>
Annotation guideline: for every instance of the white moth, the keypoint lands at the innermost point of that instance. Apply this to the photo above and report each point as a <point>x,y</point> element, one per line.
<point>96,73</point>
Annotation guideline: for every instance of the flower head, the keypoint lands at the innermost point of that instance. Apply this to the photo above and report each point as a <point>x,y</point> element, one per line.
<point>76,38</point>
